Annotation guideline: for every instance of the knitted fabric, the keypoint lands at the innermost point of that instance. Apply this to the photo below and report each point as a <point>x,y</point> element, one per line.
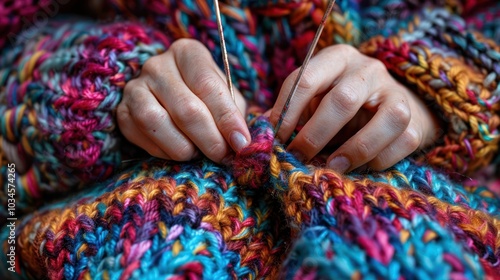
<point>61,91</point>
<point>19,15</point>
<point>266,215</point>
<point>162,220</point>
<point>467,92</point>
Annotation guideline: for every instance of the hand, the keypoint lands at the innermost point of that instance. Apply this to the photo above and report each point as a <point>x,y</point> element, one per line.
<point>350,100</point>
<point>180,102</point>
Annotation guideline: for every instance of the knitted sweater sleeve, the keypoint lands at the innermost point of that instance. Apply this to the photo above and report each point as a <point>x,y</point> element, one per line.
<point>446,56</point>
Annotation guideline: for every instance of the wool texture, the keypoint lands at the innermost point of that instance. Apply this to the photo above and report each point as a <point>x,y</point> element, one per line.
<point>200,220</point>
<point>61,91</point>
<point>266,215</point>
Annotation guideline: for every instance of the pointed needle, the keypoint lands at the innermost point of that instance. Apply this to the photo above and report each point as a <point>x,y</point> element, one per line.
<point>224,50</point>
<point>304,65</point>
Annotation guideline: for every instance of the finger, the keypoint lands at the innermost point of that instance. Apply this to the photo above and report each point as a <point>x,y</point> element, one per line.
<point>202,77</point>
<point>319,77</point>
<point>335,110</point>
<point>188,112</point>
<point>153,122</point>
<point>135,136</point>
<point>238,97</point>
<point>388,123</point>
<point>404,145</point>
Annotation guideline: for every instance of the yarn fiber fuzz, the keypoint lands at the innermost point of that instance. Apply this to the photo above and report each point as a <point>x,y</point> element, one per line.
<point>266,215</point>
<point>59,95</point>
<point>200,220</point>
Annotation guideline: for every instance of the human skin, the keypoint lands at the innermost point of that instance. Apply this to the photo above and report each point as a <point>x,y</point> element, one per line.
<point>181,104</point>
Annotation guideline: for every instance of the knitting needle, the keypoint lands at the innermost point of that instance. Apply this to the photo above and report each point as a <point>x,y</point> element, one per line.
<point>224,50</point>
<point>286,106</point>
<point>224,58</point>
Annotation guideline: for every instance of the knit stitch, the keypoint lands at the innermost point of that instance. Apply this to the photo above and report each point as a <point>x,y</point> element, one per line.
<point>265,215</point>
<point>192,220</point>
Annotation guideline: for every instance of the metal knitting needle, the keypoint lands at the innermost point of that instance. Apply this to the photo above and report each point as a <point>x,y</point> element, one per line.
<point>286,106</point>
<point>224,50</point>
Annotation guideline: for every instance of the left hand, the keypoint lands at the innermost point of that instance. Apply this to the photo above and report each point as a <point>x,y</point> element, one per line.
<point>350,100</point>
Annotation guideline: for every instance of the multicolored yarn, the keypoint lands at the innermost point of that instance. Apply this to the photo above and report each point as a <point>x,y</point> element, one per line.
<point>487,22</point>
<point>262,37</point>
<point>61,91</point>
<point>19,15</point>
<point>199,220</point>
<point>466,92</point>
<point>266,215</point>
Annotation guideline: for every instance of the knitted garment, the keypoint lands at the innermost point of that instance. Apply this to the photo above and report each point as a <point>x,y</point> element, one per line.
<point>61,87</point>
<point>60,94</point>
<point>164,220</point>
<point>266,215</point>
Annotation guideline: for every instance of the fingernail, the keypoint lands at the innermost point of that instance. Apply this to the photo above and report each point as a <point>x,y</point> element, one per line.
<point>238,141</point>
<point>339,164</point>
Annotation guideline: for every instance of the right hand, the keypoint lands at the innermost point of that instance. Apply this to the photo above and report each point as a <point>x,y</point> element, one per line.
<point>181,102</point>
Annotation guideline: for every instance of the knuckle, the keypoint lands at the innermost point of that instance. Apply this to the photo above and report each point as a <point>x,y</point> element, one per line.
<point>189,111</point>
<point>155,151</point>
<point>206,85</point>
<point>216,151</point>
<point>346,50</point>
<point>183,43</point>
<point>190,48</point>
<point>400,112</point>
<point>412,139</point>
<point>122,114</point>
<point>311,143</point>
<point>151,65</point>
<point>184,152</point>
<point>307,81</point>
<point>150,119</point>
<point>130,86</point>
<point>362,149</point>
<point>346,97</point>
<point>376,65</point>
<point>226,119</point>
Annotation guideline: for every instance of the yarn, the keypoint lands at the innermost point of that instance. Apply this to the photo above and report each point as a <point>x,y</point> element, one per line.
<point>84,67</point>
<point>427,58</point>
<point>266,215</point>
<point>16,16</point>
<point>61,90</point>
<point>196,220</point>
